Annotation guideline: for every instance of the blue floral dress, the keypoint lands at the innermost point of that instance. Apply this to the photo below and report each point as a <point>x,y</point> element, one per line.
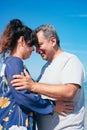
<point>17,107</point>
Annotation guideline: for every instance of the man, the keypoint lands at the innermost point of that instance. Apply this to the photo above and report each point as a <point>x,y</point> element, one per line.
<point>61,78</point>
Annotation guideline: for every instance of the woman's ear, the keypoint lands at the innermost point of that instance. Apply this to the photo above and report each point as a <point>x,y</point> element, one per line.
<point>21,40</point>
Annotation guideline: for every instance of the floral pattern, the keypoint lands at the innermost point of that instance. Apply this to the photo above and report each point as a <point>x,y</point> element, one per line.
<point>1,127</point>
<point>15,106</point>
<point>6,119</point>
<point>15,127</point>
<point>4,102</point>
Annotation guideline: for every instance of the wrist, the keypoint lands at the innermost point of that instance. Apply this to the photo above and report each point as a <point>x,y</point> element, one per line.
<point>34,87</point>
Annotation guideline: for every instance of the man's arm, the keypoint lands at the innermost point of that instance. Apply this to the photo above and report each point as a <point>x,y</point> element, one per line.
<point>62,91</point>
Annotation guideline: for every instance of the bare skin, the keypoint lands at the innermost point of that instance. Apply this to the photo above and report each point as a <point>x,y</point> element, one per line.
<point>49,50</point>
<point>62,92</point>
<point>63,107</point>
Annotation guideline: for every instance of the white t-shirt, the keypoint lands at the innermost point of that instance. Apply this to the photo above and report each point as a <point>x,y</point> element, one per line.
<point>66,68</point>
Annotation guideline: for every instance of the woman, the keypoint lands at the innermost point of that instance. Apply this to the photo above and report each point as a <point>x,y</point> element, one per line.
<point>16,107</point>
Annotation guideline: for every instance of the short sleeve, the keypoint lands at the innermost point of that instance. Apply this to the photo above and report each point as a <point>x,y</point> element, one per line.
<point>73,72</point>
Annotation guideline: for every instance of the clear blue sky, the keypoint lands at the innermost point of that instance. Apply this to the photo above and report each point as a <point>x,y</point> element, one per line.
<point>69,17</point>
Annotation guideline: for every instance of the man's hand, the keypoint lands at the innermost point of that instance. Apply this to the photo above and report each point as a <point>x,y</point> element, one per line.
<point>64,107</point>
<point>22,82</point>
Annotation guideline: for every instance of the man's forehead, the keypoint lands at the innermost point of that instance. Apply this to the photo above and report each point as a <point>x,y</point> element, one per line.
<point>40,35</point>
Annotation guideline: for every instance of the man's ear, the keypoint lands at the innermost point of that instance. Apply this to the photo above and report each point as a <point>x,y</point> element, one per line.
<point>53,41</point>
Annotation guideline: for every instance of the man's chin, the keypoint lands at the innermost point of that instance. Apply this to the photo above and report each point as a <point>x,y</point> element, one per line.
<point>44,58</point>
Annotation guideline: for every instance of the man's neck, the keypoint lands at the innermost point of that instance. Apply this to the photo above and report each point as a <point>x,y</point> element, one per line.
<point>58,52</point>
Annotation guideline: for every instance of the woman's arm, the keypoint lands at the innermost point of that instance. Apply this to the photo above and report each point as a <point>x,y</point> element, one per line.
<point>26,99</point>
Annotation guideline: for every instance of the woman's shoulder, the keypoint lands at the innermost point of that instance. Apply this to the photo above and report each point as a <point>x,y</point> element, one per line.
<point>13,59</point>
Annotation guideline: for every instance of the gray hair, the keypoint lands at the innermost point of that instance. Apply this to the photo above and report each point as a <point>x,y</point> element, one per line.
<point>49,31</point>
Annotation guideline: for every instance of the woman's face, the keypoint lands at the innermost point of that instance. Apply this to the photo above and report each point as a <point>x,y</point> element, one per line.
<point>23,48</point>
<point>27,50</point>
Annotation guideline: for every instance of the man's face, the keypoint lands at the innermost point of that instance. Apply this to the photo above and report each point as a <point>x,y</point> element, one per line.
<point>44,46</point>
